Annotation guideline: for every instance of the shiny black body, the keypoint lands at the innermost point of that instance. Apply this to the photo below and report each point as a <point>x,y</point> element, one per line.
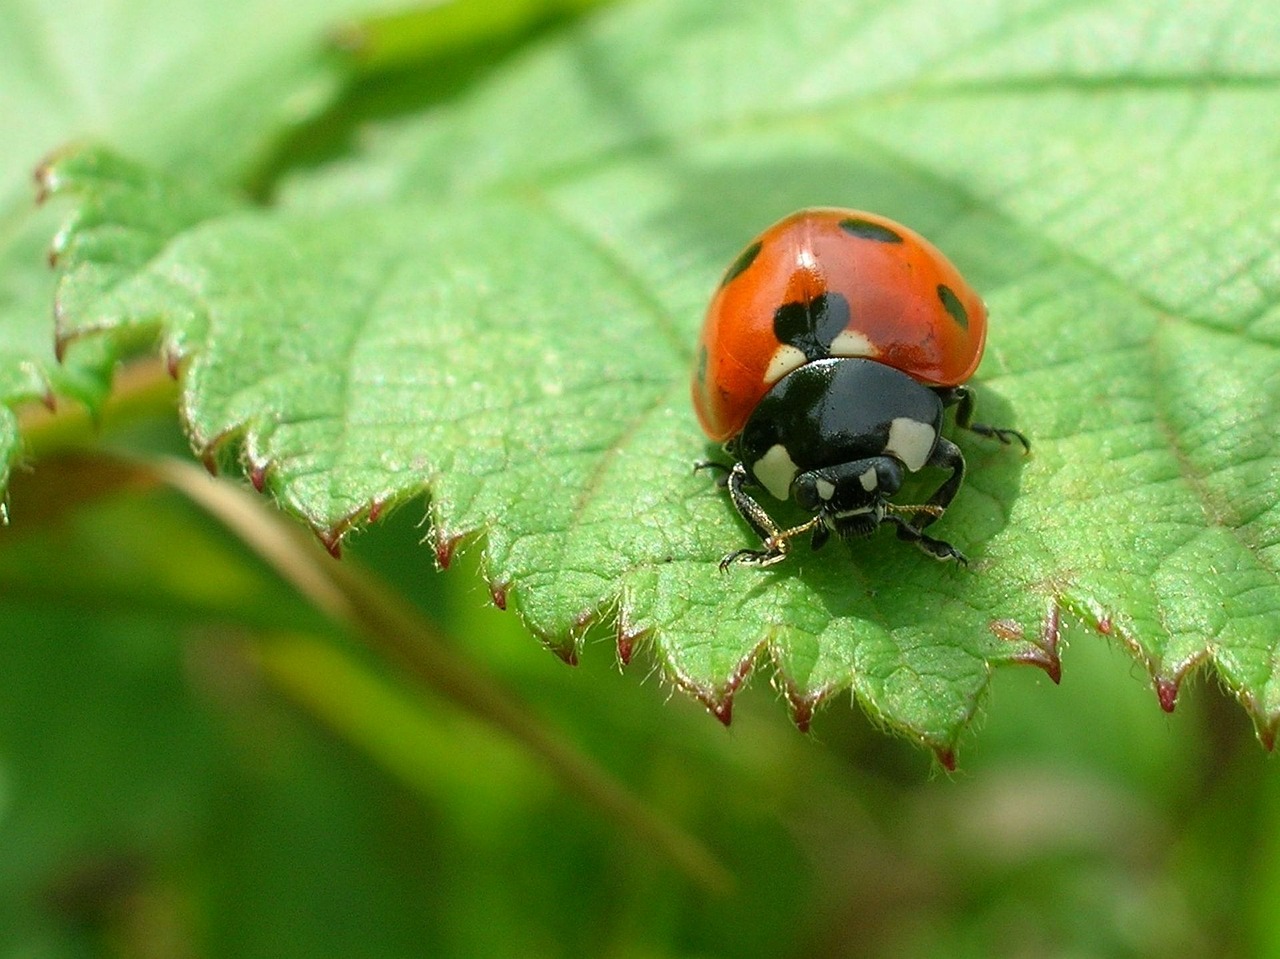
<point>837,436</point>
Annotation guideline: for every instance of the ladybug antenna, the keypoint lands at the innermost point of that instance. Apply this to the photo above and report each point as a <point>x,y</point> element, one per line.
<point>928,508</point>
<point>779,539</point>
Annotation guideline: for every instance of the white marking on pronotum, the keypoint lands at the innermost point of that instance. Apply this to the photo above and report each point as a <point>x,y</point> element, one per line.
<point>852,343</point>
<point>785,359</point>
<point>911,441</point>
<point>775,471</point>
<point>868,479</point>
<point>826,488</point>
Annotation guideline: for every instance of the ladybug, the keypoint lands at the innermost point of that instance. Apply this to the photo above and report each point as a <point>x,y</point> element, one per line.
<point>829,351</point>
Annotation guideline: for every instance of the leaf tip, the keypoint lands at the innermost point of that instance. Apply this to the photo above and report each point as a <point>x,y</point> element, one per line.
<point>802,704</point>
<point>1264,725</point>
<point>62,338</point>
<point>46,179</point>
<point>446,545</point>
<point>946,756</point>
<point>569,646</point>
<point>1167,692</point>
<point>719,699</point>
<point>51,175</point>
<point>258,476</point>
<point>1267,735</point>
<point>719,702</point>
<point>628,637</point>
<point>721,709</point>
<point>1168,684</point>
<point>566,646</point>
<point>498,594</point>
<point>1050,637</point>
<point>802,712</point>
<point>567,653</point>
<point>331,540</point>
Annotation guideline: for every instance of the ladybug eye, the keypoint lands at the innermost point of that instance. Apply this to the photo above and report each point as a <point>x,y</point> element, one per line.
<point>809,489</point>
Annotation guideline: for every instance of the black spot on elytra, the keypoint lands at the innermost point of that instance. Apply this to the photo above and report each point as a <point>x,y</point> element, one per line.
<point>810,327</point>
<point>951,303</point>
<point>740,265</point>
<point>866,230</point>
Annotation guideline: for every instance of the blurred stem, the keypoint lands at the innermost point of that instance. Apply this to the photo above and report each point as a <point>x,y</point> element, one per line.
<point>399,633</point>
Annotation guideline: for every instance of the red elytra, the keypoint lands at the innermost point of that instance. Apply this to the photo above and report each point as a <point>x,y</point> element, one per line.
<point>908,307</point>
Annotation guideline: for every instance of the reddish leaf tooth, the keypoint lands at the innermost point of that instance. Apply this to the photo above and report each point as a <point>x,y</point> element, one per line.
<point>802,713</point>
<point>1167,691</point>
<point>946,757</point>
<point>498,593</point>
<point>628,637</point>
<point>258,476</point>
<point>567,653</point>
<point>331,539</point>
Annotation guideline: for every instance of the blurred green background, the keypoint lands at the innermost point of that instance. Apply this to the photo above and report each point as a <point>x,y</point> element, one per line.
<point>196,762</point>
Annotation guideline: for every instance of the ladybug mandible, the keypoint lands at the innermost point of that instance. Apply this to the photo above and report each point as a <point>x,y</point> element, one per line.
<point>830,350</point>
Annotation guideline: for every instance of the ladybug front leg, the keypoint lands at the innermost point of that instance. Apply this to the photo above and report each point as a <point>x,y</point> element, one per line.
<point>937,548</point>
<point>946,455</point>
<point>964,418</point>
<point>777,541</point>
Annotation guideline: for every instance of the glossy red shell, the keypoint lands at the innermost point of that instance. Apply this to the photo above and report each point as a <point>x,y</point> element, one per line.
<point>909,308</point>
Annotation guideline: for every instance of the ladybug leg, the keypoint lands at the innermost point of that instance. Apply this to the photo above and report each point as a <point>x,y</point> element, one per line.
<point>947,456</point>
<point>937,548</point>
<point>750,510</point>
<point>777,542</point>
<point>821,533</point>
<point>964,418</point>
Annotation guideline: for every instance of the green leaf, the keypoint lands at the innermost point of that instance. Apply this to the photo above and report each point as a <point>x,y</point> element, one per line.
<point>203,89</point>
<point>495,303</point>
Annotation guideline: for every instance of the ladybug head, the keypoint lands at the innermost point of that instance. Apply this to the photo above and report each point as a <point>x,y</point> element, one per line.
<point>849,497</point>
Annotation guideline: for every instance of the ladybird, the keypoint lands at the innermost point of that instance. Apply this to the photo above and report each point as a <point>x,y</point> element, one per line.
<point>829,352</point>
